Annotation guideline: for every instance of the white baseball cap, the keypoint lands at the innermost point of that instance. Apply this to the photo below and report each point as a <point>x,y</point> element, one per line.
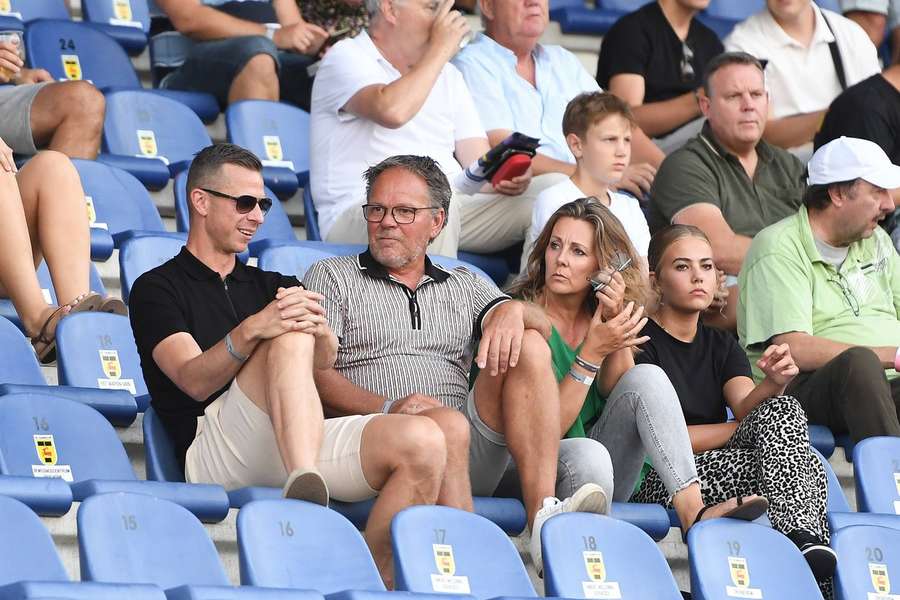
<point>847,158</point>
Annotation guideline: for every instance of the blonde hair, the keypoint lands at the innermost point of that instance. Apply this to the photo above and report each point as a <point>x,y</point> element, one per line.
<point>610,240</point>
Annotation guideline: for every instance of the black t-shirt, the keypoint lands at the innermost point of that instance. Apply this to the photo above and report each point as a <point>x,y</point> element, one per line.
<point>644,43</point>
<point>184,294</point>
<point>698,370</point>
<point>869,110</point>
<point>258,11</point>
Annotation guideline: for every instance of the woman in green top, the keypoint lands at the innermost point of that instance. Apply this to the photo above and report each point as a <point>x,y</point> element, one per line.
<point>632,410</point>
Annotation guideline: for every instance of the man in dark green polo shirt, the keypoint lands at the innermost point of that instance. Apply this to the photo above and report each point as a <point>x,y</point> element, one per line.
<point>727,181</point>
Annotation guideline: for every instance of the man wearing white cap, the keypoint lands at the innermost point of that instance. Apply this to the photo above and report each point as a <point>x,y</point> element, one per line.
<point>826,281</point>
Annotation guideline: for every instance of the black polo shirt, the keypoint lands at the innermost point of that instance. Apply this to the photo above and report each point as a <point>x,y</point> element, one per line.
<point>184,294</point>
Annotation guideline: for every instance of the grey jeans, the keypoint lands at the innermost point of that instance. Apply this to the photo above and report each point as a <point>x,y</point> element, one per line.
<point>642,418</point>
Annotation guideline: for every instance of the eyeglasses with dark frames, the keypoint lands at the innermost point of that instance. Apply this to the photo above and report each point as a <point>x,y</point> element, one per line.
<point>403,215</point>
<point>243,204</point>
<point>844,285</point>
<point>687,67</point>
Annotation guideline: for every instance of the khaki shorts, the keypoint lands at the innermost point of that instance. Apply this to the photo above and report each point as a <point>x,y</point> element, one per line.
<point>235,447</point>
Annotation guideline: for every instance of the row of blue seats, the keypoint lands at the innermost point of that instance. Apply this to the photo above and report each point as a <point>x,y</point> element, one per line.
<point>146,547</point>
<point>721,15</point>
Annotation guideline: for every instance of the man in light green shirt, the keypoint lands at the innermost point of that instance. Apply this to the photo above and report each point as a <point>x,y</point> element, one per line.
<point>826,281</point>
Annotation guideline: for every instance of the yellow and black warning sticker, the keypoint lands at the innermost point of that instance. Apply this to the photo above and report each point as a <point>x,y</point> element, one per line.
<point>46,449</point>
<point>112,368</point>
<point>597,586</point>
<point>881,583</point>
<point>275,153</point>
<point>71,67</point>
<point>740,577</point>
<point>445,580</point>
<point>122,15</point>
<point>147,142</point>
<point>48,458</point>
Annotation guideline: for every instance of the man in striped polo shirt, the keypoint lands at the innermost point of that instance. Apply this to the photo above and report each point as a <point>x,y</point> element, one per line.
<point>407,329</point>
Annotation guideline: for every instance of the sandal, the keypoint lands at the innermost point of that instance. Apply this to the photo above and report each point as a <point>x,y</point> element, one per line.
<point>45,345</point>
<point>113,305</point>
<point>744,511</point>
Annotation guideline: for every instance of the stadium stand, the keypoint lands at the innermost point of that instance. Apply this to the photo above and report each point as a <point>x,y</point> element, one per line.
<point>868,557</point>
<point>291,260</point>
<point>587,556</point>
<point>30,566</point>
<point>278,134</point>
<point>876,463</point>
<point>736,559</point>
<point>175,551</point>
<point>126,21</point>
<point>78,446</point>
<point>15,14</point>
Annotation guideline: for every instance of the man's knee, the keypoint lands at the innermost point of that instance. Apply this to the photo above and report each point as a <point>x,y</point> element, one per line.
<point>859,364</point>
<point>420,445</point>
<point>291,346</point>
<point>260,68</point>
<point>79,98</point>
<point>454,425</point>
<point>535,352</point>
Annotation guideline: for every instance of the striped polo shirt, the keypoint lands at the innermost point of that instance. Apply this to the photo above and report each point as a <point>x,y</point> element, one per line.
<point>396,341</point>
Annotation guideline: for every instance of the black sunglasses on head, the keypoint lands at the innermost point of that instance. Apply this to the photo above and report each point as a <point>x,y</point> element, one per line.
<point>245,203</point>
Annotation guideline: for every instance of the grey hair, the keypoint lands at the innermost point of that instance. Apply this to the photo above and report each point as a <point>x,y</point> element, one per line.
<point>424,167</point>
<point>726,59</point>
<point>373,7</point>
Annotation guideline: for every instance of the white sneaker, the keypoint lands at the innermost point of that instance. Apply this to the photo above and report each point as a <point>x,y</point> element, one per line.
<point>588,498</point>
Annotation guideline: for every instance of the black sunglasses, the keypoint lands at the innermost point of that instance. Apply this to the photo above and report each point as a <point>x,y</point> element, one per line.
<point>244,204</point>
<point>687,57</point>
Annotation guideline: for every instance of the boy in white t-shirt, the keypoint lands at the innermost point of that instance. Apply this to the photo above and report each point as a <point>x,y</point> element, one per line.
<point>597,126</point>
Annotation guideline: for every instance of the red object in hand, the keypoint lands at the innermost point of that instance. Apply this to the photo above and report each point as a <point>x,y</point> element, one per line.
<point>514,166</point>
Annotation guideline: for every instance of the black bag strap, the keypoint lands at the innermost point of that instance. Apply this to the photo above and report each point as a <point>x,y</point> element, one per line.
<point>836,56</point>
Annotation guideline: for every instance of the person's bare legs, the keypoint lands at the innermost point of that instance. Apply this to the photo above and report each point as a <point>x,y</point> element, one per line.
<point>278,378</point>
<point>258,80</point>
<point>523,404</point>
<point>68,117</point>
<point>18,281</point>
<point>404,457</point>
<point>54,209</point>
<point>456,489</point>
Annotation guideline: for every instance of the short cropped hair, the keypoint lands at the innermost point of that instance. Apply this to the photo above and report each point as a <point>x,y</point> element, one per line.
<point>817,196</point>
<point>588,108</point>
<point>209,161</point>
<point>727,59</point>
<point>425,167</point>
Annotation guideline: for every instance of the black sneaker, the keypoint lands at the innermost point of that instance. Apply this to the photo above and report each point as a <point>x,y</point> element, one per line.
<point>821,558</point>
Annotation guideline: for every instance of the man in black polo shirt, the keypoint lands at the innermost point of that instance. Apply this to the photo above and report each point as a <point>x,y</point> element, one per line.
<point>654,59</point>
<point>237,347</point>
<point>408,328</point>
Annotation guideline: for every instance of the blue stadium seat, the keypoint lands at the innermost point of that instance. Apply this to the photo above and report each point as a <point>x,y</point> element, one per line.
<point>735,10</point>
<point>30,567</point>
<point>278,134</point>
<point>20,372</point>
<point>832,5</point>
<point>587,556</point>
<point>121,205</point>
<point>868,557</point>
<point>294,544</point>
<point>97,349</point>
<point>311,215</point>
<point>652,519</point>
<point>441,549</point>
<point>821,438</point>
<point>159,452</point>
<point>150,136</point>
<point>876,465</point>
<point>290,259</point>
<point>840,515</point>
<point>140,254</point>
<point>749,560</point>
<point>45,436</point>
<point>276,227</point>
<point>25,11</point>
<point>126,21</point>
<point>135,538</point>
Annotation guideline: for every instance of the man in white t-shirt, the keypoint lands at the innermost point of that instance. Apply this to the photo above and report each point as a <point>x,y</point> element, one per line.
<point>598,127</point>
<point>391,90</point>
<point>811,55</point>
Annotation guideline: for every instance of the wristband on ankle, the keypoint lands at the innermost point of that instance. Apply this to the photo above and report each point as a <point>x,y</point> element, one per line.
<point>897,360</point>
<point>587,366</point>
<point>585,379</point>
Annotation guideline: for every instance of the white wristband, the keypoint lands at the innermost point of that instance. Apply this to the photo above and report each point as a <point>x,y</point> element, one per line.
<point>271,28</point>
<point>585,379</point>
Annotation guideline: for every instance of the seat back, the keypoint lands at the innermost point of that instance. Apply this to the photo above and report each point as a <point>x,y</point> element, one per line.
<point>277,133</point>
<point>276,226</point>
<point>117,198</point>
<point>162,464</point>
<point>290,259</point>
<point>18,363</point>
<point>294,544</point>
<point>837,501</point>
<point>97,350</point>
<point>141,123</point>
<point>76,51</point>
<point>140,254</point>
<point>731,558</point>
<point>27,552</point>
<point>868,557</point>
<point>593,556</point>
<point>29,10</point>
<point>311,215</point>
<point>45,436</point>
<point>734,10</point>
<point>626,6</point>
<point>136,538</point>
<point>876,470</point>
<point>125,13</point>
<point>441,549</point>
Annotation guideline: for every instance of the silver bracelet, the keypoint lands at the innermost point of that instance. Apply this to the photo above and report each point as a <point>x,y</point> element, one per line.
<point>587,366</point>
<point>234,353</point>
<point>585,379</point>
<point>386,407</point>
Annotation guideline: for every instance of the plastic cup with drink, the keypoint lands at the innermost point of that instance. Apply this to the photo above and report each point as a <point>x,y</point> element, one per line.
<point>15,38</point>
